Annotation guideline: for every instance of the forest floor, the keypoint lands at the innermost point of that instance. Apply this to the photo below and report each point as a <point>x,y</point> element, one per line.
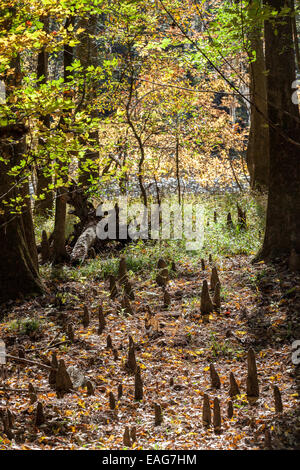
<point>259,309</point>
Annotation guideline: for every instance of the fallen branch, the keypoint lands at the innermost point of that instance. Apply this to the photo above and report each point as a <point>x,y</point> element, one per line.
<point>27,361</point>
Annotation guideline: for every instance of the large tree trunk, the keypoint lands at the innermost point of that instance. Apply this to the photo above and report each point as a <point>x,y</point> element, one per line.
<point>257,151</point>
<point>283,220</point>
<point>295,36</point>
<point>87,53</point>
<point>59,236</point>
<point>19,267</point>
<point>44,205</point>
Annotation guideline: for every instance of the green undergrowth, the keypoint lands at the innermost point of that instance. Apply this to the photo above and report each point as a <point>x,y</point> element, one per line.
<point>219,241</point>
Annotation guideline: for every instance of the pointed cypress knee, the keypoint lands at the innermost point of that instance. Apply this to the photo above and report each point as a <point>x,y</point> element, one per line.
<point>158,415</point>
<point>120,391</point>
<point>102,321</point>
<point>252,380</point>
<point>206,411</point>
<point>217,416</point>
<point>7,424</point>
<point>126,437</point>
<point>115,354</point>
<point>138,385</point>
<point>86,317</point>
<point>63,382</point>
<point>167,299</point>
<point>131,342</point>
<point>234,388</point>
<point>112,401</point>
<point>214,278</point>
<point>268,440</point>
<point>131,361</point>
<point>90,388</point>
<point>70,333</point>
<point>214,377</point>
<point>133,433</point>
<point>39,415</point>
<point>202,264</point>
<point>32,394</point>
<point>230,410</point>
<point>277,400</point>
<point>206,306</point>
<point>109,344</point>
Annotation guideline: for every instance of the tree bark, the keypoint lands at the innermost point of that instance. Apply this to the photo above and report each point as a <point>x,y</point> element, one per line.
<point>283,221</point>
<point>295,36</point>
<point>87,53</point>
<point>257,151</point>
<point>45,205</point>
<point>19,267</point>
<point>59,235</point>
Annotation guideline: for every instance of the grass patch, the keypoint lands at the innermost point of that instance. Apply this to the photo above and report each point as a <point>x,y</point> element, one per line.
<point>24,326</point>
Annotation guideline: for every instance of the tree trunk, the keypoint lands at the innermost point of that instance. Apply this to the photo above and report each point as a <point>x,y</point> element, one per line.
<point>87,53</point>
<point>45,205</point>
<point>283,221</point>
<point>257,151</point>
<point>59,235</point>
<point>18,268</point>
<point>295,36</point>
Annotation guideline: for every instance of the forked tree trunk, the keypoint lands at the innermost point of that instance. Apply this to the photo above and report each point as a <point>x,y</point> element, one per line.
<point>283,221</point>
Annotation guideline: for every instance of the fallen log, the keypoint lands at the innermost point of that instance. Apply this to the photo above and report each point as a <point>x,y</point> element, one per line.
<point>83,244</point>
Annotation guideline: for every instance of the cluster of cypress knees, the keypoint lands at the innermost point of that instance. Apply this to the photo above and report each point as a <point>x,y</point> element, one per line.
<point>60,380</point>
